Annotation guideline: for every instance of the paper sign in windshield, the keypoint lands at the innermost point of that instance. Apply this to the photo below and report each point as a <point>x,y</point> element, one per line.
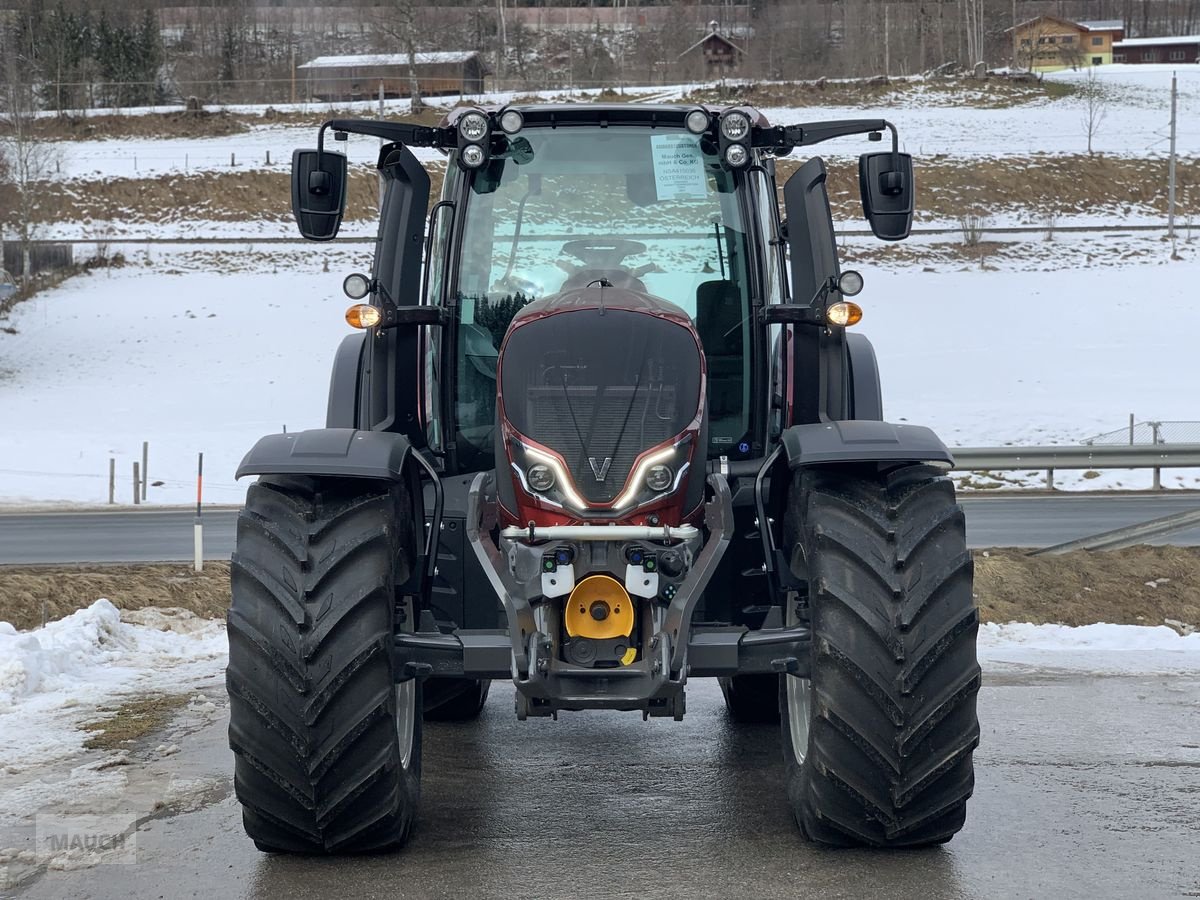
<point>678,166</point>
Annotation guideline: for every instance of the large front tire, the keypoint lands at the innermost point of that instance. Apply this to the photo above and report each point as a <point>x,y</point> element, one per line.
<point>878,742</point>
<point>327,743</point>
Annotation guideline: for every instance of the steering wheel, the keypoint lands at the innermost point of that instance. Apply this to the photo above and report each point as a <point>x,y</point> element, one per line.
<point>603,253</point>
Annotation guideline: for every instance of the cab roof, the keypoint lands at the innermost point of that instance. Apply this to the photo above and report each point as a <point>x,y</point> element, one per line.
<point>603,114</point>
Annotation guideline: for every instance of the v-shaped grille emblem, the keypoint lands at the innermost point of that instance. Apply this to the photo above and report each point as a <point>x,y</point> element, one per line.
<point>600,466</point>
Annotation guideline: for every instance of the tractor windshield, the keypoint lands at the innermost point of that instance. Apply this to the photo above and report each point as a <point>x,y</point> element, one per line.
<point>650,210</point>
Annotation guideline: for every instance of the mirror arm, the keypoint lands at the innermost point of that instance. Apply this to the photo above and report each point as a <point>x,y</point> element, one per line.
<point>822,292</point>
<point>792,314</point>
<point>395,132</point>
<point>785,138</point>
<point>394,316</point>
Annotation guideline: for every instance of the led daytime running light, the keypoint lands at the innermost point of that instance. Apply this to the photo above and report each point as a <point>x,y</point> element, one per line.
<point>560,476</point>
<point>639,476</point>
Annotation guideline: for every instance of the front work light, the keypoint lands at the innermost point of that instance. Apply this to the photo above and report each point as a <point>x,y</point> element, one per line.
<point>735,125</point>
<point>473,126</point>
<point>697,121</point>
<point>356,286</point>
<point>736,155</point>
<point>849,283</point>
<point>472,156</point>
<point>363,315</point>
<point>512,121</point>
<point>843,313</point>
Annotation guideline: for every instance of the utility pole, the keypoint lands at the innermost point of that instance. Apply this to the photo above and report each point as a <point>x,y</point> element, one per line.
<point>1171,169</point>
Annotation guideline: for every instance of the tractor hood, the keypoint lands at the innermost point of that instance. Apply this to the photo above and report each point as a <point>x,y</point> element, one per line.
<point>597,387</point>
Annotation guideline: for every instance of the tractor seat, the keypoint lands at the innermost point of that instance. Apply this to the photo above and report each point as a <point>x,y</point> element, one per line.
<point>616,277</point>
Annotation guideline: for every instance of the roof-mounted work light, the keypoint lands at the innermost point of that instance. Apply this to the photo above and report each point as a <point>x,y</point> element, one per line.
<point>697,121</point>
<point>511,121</point>
<point>735,135</point>
<point>474,138</point>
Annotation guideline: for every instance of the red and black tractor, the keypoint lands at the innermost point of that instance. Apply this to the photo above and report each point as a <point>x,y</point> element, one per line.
<point>602,428</point>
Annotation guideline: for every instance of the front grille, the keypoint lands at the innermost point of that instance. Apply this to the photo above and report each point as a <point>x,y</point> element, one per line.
<point>596,384</point>
<point>584,423</point>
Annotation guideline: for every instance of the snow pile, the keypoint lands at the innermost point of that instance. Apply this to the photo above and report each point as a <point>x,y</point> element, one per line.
<point>1101,648</point>
<point>54,679</point>
<point>70,654</point>
<point>61,652</point>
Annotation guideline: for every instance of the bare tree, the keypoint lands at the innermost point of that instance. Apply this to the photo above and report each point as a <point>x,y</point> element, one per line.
<point>1095,107</point>
<point>972,22</point>
<point>397,20</point>
<point>26,159</point>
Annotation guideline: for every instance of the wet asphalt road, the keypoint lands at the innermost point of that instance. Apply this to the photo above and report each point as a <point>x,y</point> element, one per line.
<point>1087,787</point>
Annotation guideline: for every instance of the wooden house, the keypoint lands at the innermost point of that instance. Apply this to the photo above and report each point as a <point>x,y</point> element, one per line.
<point>358,77</point>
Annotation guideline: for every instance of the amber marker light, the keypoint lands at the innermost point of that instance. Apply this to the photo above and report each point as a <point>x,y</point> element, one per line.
<point>843,313</point>
<point>363,315</point>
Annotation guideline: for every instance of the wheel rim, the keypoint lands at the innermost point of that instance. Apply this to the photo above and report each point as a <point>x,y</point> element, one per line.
<point>406,718</point>
<point>798,695</point>
<point>799,709</point>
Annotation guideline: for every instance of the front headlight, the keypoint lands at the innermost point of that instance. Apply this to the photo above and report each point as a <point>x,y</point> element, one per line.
<point>654,475</point>
<point>545,474</point>
<point>540,477</point>
<point>659,478</point>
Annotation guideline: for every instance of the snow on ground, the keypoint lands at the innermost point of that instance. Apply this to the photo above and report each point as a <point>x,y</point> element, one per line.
<point>206,351</point>
<point>931,122</point>
<point>989,358</point>
<point>193,360</point>
<point>144,157</point>
<point>1098,649</point>
<point>54,679</point>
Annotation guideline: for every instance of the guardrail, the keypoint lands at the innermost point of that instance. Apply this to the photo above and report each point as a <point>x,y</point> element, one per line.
<point>1162,456</point>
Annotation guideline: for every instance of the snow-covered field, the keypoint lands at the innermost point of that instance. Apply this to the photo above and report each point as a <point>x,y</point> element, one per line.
<point>203,349</point>
<point>206,351</point>
<point>930,123</point>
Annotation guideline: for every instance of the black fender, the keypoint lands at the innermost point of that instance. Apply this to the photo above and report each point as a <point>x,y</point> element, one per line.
<point>866,396</point>
<point>345,382</point>
<point>862,441</point>
<point>336,452</point>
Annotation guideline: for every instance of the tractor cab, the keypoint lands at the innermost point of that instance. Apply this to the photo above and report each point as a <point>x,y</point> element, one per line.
<point>622,209</point>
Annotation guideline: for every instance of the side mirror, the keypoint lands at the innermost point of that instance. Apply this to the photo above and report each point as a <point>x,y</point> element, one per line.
<point>318,193</point>
<point>885,181</point>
